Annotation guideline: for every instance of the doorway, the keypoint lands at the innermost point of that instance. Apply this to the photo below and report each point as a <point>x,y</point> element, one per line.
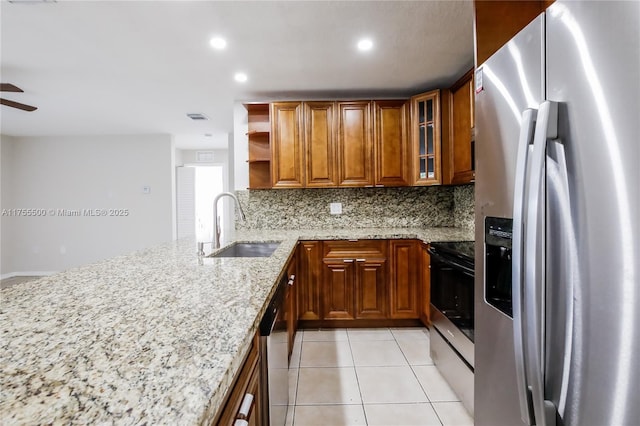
<point>196,188</point>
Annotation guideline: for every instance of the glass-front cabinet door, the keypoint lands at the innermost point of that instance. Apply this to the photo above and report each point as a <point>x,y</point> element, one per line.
<point>425,121</point>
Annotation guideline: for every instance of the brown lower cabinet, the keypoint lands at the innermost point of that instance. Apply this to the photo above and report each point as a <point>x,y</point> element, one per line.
<point>246,385</point>
<point>346,283</point>
<point>308,280</point>
<point>354,279</point>
<point>425,269</point>
<point>291,302</point>
<point>404,283</point>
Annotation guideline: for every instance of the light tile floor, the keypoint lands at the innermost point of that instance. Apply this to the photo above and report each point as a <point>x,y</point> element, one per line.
<point>381,377</point>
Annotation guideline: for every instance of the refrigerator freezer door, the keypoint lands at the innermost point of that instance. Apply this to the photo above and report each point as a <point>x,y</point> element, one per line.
<point>512,81</point>
<point>593,235</point>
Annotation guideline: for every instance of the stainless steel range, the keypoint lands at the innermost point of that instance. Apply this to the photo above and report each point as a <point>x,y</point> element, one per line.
<point>452,300</point>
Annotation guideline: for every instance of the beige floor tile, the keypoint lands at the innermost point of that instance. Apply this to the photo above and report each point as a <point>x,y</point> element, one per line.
<point>280,413</point>
<point>410,333</point>
<point>453,414</point>
<point>289,419</point>
<point>401,414</point>
<point>294,361</point>
<point>327,386</point>
<point>381,353</point>
<point>434,384</point>
<point>325,335</point>
<point>326,354</point>
<point>293,385</point>
<point>416,351</point>
<point>329,415</point>
<point>379,385</point>
<point>367,334</point>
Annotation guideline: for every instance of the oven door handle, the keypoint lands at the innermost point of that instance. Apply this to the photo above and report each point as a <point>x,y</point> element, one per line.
<point>451,262</point>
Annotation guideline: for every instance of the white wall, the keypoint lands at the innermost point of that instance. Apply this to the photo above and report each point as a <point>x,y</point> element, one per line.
<point>76,173</point>
<point>6,197</point>
<point>240,147</point>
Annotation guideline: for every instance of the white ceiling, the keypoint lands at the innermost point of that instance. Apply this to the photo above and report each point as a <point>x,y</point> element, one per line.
<point>132,67</point>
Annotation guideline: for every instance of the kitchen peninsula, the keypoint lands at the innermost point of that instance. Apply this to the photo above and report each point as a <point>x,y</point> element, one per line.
<point>153,337</point>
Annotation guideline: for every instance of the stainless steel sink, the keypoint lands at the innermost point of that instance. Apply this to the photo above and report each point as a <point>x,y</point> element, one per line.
<point>251,249</point>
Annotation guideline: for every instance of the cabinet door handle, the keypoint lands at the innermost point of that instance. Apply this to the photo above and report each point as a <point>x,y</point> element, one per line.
<point>348,260</point>
<point>290,282</point>
<point>245,407</point>
<point>361,260</point>
<point>292,277</point>
<point>241,422</point>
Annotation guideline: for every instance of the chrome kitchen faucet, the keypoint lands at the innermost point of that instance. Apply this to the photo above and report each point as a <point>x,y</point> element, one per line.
<point>216,220</point>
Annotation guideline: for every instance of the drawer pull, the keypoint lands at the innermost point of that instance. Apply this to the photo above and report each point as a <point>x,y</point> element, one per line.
<point>240,422</point>
<point>292,277</point>
<point>245,407</point>
<point>348,261</point>
<point>361,260</point>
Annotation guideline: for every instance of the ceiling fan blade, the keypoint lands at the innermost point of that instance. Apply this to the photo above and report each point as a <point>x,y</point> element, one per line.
<point>7,87</point>
<point>18,105</point>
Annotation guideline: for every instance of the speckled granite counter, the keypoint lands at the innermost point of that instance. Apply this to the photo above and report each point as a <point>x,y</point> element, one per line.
<point>152,337</point>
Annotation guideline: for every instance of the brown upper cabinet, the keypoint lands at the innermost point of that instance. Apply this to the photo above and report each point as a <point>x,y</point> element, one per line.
<point>391,143</point>
<point>328,144</point>
<point>286,147</point>
<point>497,21</point>
<point>355,162</point>
<point>425,128</point>
<point>458,132</point>
<point>319,145</point>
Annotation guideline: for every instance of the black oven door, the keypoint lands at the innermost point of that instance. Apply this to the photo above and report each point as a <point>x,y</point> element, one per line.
<point>452,301</point>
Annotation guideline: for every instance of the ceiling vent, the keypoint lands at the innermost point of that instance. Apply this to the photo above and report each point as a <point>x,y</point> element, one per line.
<point>197,116</point>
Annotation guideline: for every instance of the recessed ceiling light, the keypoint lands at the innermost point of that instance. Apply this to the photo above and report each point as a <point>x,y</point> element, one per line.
<point>240,77</point>
<point>365,44</point>
<point>218,43</point>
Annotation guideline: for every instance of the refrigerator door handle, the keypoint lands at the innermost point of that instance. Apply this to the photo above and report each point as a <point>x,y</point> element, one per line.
<point>525,141</point>
<point>534,273</point>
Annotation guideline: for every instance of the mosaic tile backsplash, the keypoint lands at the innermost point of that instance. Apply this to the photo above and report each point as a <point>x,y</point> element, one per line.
<point>361,208</point>
<point>463,206</point>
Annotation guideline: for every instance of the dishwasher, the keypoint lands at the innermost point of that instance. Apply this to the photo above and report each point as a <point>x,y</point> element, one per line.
<point>274,357</point>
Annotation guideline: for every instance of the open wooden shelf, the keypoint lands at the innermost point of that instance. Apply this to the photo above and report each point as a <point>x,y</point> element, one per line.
<point>260,175</point>
<point>259,135</point>
<point>259,118</point>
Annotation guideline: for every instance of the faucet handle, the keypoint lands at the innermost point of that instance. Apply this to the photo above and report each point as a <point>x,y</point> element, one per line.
<point>201,247</point>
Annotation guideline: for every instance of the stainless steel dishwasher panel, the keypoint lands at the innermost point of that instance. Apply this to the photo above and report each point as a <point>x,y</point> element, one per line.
<point>274,358</point>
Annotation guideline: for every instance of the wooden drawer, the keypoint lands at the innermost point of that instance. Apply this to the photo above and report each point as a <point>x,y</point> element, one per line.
<point>247,380</point>
<point>343,249</point>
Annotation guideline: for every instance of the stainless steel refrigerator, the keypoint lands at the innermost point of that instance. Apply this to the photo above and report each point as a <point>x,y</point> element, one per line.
<point>557,291</point>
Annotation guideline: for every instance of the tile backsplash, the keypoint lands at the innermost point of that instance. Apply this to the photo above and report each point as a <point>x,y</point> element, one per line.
<point>464,206</point>
<point>361,208</point>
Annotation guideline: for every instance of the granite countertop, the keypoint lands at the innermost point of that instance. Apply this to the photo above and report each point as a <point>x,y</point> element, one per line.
<point>152,337</point>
